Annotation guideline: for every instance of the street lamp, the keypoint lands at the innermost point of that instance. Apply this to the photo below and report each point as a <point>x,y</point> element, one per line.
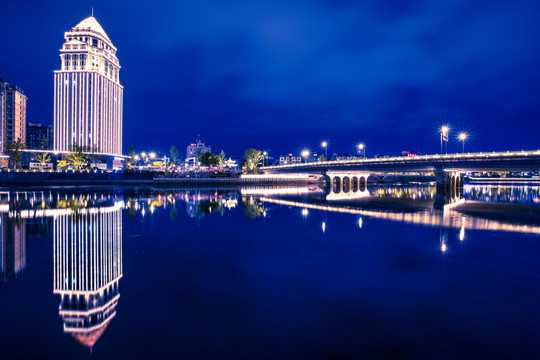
<point>361,149</point>
<point>324,144</point>
<point>463,137</point>
<point>152,155</point>
<point>265,154</point>
<point>305,154</point>
<point>444,137</point>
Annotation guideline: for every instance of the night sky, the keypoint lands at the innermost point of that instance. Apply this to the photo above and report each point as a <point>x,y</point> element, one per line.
<point>285,75</point>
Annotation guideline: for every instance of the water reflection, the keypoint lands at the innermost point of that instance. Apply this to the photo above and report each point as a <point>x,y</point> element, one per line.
<point>86,230</point>
<point>87,269</point>
<point>12,248</point>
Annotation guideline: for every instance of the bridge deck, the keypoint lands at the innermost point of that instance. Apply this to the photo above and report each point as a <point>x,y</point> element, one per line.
<point>494,161</point>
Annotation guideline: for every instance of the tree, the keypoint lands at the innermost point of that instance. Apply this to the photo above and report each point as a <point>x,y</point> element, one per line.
<point>322,158</point>
<point>43,158</point>
<point>132,160</point>
<point>158,164</point>
<point>222,156</point>
<point>198,154</point>
<point>62,164</point>
<point>209,159</point>
<point>77,158</point>
<point>174,155</point>
<point>251,161</point>
<point>14,150</point>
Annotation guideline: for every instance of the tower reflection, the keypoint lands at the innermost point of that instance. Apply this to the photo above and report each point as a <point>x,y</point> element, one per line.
<point>12,248</point>
<point>87,269</point>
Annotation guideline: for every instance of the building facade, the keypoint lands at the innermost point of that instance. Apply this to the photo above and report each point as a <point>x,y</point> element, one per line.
<point>88,96</point>
<point>289,159</point>
<point>35,133</point>
<point>12,114</point>
<point>197,146</point>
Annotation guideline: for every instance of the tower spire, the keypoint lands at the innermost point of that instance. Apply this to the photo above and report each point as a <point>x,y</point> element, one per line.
<point>92,11</point>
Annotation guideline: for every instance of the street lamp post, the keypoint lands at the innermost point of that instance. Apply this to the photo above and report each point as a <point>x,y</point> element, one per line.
<point>305,154</point>
<point>463,138</point>
<point>444,137</point>
<point>265,153</point>
<point>362,149</point>
<point>324,144</point>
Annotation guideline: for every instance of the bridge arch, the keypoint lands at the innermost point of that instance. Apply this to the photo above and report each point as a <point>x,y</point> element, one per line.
<point>336,184</point>
<point>363,183</point>
<point>346,184</point>
<point>354,184</point>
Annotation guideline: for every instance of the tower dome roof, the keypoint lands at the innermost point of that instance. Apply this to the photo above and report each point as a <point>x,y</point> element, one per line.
<point>90,23</point>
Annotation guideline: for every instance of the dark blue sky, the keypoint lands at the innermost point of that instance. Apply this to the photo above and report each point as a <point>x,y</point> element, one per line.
<point>283,75</point>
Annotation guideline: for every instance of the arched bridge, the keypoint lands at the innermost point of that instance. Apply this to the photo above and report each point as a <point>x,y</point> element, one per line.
<point>495,161</point>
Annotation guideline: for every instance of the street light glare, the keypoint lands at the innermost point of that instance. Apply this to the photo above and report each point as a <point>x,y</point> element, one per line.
<point>462,136</point>
<point>152,155</point>
<point>445,129</point>
<point>361,146</point>
<point>324,144</point>
<point>305,153</point>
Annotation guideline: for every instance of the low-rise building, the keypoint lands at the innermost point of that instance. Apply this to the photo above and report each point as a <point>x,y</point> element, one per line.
<point>289,159</point>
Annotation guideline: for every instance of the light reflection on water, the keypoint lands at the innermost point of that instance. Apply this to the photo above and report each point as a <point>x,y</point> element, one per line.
<point>87,229</point>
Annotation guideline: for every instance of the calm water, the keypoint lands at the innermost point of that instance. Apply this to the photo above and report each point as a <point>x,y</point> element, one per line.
<point>266,273</point>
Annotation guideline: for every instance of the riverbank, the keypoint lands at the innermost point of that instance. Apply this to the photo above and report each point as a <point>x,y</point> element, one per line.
<point>145,178</point>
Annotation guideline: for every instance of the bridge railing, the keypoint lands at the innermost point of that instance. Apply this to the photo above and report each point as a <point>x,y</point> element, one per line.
<point>458,156</point>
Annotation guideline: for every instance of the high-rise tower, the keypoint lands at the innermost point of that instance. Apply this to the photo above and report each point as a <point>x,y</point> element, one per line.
<point>87,92</point>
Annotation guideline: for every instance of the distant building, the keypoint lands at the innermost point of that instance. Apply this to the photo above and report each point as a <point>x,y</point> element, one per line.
<point>198,146</point>
<point>289,159</point>
<point>12,114</point>
<point>341,157</point>
<point>36,132</point>
<point>88,96</point>
<point>408,154</point>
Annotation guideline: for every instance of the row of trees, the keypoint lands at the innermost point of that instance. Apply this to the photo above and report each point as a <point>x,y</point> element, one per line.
<point>83,156</point>
<point>79,157</point>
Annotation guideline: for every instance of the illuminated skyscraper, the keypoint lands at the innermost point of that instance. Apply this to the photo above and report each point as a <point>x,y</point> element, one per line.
<point>87,91</point>
<point>87,269</point>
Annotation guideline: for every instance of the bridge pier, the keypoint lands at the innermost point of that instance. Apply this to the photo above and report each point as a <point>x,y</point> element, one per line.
<point>449,187</point>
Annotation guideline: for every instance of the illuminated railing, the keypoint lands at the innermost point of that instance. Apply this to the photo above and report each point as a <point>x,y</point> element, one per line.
<point>412,159</point>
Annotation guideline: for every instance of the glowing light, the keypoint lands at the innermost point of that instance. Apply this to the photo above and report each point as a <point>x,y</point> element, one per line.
<point>324,144</point>
<point>265,153</point>
<point>305,153</point>
<point>152,155</point>
<point>323,227</point>
<point>445,129</point>
<point>463,136</point>
<point>361,146</point>
<point>305,212</point>
<point>137,157</point>
<point>443,247</point>
<point>143,154</point>
<point>360,222</point>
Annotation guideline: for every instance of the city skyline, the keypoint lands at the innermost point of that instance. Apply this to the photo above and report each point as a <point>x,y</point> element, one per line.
<point>286,77</point>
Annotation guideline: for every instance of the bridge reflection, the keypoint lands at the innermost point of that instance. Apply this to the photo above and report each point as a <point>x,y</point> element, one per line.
<point>423,205</point>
